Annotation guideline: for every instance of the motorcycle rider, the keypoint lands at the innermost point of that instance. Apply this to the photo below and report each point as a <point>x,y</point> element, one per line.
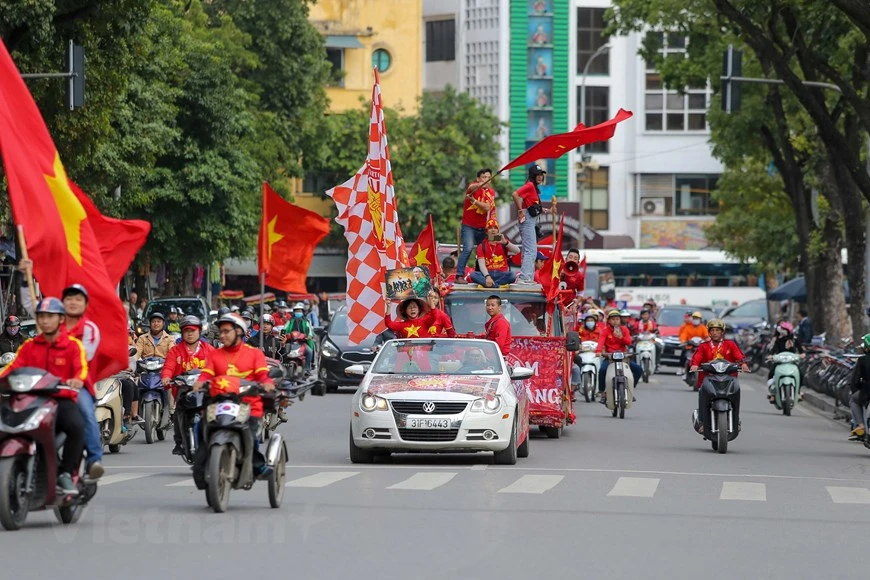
<point>61,354</point>
<point>173,325</point>
<point>614,338</point>
<point>75,303</point>
<point>589,332</point>
<point>784,342</point>
<point>714,349</point>
<point>11,338</point>
<point>271,343</point>
<point>627,320</point>
<point>689,330</point>
<point>648,324</point>
<point>860,391</point>
<point>248,317</point>
<point>156,343</point>
<point>189,354</point>
<point>299,324</point>
<point>237,359</point>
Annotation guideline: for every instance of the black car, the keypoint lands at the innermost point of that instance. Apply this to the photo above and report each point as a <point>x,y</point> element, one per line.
<point>748,315</point>
<point>670,319</point>
<point>336,353</point>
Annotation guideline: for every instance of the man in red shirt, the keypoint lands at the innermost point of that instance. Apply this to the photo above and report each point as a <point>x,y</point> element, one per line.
<point>492,259</point>
<point>189,354</point>
<point>237,359</point>
<point>717,348</point>
<point>477,209</point>
<point>615,338</point>
<point>498,329</point>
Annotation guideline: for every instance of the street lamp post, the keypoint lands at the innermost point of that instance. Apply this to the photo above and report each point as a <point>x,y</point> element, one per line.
<point>601,50</point>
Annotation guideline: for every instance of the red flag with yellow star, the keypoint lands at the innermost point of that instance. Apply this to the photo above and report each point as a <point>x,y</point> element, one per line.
<point>424,252</point>
<point>550,275</point>
<point>288,236</point>
<point>59,233</point>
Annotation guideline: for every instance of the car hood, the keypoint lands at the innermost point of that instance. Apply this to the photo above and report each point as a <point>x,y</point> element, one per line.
<point>398,386</point>
<point>343,343</point>
<point>741,321</point>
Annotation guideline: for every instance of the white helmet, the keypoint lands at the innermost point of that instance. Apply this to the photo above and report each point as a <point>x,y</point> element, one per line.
<point>299,306</point>
<point>234,319</point>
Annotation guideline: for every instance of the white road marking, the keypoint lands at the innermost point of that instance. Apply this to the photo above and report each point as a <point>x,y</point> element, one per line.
<point>745,387</point>
<point>479,467</point>
<point>322,479</point>
<point>743,491</point>
<point>634,487</point>
<point>120,478</point>
<point>533,484</point>
<point>424,481</point>
<point>183,483</point>
<point>849,494</point>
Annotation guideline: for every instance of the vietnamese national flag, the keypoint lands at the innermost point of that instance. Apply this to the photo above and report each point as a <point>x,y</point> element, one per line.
<point>555,146</point>
<point>288,236</point>
<point>59,233</point>
<point>550,273</point>
<point>424,252</point>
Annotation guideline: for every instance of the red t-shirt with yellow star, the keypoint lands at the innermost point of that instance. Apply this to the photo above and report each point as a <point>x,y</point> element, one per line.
<point>474,216</point>
<point>414,328</point>
<point>493,256</point>
<point>442,325</point>
<point>243,361</point>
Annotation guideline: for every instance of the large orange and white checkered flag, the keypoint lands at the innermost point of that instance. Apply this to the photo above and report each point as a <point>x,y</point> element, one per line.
<point>367,210</point>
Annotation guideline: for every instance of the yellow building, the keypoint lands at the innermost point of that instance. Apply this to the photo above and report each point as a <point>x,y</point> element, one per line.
<point>361,34</point>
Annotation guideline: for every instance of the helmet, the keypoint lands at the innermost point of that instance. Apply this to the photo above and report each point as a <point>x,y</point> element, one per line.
<point>234,319</point>
<point>299,306</point>
<point>591,315</point>
<point>191,320</point>
<point>234,308</point>
<point>624,313</point>
<point>716,323</point>
<point>646,311</point>
<point>156,315</point>
<point>248,314</point>
<point>12,321</point>
<point>223,310</point>
<point>535,170</point>
<point>75,289</point>
<point>612,313</point>
<point>866,340</point>
<point>267,319</point>
<point>50,305</point>
<point>280,304</point>
<point>786,326</point>
<point>696,314</point>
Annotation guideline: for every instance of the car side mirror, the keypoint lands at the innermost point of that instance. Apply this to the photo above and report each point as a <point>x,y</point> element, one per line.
<point>319,330</point>
<point>131,351</point>
<point>572,342</point>
<point>358,370</point>
<point>521,373</point>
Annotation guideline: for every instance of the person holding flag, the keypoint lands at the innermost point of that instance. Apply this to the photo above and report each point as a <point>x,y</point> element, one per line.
<point>476,211</point>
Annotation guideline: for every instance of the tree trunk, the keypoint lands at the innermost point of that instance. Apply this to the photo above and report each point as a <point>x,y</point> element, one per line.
<point>833,296</point>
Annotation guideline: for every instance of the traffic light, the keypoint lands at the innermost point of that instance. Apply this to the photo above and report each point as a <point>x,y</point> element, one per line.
<point>733,67</point>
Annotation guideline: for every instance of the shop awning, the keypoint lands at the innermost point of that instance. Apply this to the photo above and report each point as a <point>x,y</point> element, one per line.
<point>342,41</point>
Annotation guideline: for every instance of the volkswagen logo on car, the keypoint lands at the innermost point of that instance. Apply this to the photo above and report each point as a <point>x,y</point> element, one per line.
<point>429,407</point>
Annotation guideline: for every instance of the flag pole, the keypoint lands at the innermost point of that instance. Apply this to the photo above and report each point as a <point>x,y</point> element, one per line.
<point>262,301</point>
<point>28,271</point>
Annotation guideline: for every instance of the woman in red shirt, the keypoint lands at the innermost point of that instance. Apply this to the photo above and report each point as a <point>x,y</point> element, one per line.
<point>416,318</point>
<point>528,201</point>
<point>442,324</point>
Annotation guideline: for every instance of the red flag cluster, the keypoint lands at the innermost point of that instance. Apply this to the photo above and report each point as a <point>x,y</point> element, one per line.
<point>424,252</point>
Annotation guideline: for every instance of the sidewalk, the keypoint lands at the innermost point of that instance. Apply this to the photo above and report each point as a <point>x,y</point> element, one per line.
<point>825,404</point>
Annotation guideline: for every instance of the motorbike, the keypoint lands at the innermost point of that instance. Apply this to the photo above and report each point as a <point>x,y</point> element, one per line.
<point>230,445</point>
<point>757,345</point>
<point>589,363</point>
<point>690,377</point>
<point>294,353</point>
<point>645,347</point>
<point>720,424</point>
<point>30,451</point>
<point>153,399</point>
<point>110,414</point>
<point>191,433</point>
<point>786,381</point>
<point>619,384</point>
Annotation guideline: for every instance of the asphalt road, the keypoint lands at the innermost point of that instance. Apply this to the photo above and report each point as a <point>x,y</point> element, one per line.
<point>642,497</point>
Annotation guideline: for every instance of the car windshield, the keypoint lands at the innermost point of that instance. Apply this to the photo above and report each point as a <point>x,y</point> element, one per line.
<point>753,309</point>
<point>526,314</point>
<point>188,306</point>
<point>439,357</point>
<point>674,316</point>
<point>338,324</point>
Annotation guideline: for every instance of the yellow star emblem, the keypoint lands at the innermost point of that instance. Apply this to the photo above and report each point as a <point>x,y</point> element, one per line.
<point>557,265</point>
<point>274,237</point>
<point>70,210</point>
<point>223,383</point>
<point>422,258</point>
<point>413,331</point>
<point>433,330</point>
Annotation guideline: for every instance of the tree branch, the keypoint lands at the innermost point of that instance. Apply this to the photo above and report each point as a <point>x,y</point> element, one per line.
<point>858,11</point>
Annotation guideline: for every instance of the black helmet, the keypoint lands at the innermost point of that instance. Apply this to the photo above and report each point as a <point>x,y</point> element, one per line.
<point>156,315</point>
<point>248,314</point>
<point>73,290</point>
<point>12,321</point>
<point>223,310</point>
<point>191,320</point>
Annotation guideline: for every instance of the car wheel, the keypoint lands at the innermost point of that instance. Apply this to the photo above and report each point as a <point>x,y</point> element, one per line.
<point>523,450</point>
<point>508,455</point>
<point>358,454</point>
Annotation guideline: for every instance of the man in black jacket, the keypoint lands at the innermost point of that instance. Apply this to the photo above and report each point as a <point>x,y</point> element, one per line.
<point>804,334</point>
<point>10,338</point>
<point>860,392</point>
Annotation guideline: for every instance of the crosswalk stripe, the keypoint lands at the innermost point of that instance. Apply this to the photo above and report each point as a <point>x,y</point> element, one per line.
<point>634,487</point>
<point>322,479</point>
<point>849,494</point>
<point>743,491</point>
<point>533,484</point>
<point>120,478</point>
<point>424,481</point>
<point>183,483</point>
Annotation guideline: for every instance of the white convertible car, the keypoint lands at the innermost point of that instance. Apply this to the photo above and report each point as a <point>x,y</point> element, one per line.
<point>440,395</point>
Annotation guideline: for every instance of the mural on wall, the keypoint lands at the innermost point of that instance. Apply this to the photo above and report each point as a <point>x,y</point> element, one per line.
<point>676,234</point>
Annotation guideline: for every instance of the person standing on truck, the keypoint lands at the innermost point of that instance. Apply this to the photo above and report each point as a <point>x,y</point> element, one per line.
<point>477,209</point>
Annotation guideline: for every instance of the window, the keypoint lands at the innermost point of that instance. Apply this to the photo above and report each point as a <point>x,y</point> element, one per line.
<point>669,110</point>
<point>597,111</point>
<point>590,25</point>
<point>693,195</point>
<point>440,40</point>
<point>596,198</point>
<point>656,195</point>
<point>335,56</point>
<point>382,60</point>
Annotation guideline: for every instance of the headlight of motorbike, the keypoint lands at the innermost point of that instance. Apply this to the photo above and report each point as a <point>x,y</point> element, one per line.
<point>30,424</point>
<point>7,358</point>
<point>329,350</point>
<point>488,406</point>
<point>105,398</point>
<point>371,403</point>
<point>23,383</point>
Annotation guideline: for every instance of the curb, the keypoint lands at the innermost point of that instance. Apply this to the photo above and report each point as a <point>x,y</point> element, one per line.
<point>825,404</point>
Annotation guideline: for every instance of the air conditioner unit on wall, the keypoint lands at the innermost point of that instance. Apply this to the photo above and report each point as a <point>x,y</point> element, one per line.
<point>652,206</point>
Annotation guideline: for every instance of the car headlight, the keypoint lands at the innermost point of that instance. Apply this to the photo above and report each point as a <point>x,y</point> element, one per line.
<point>371,403</point>
<point>329,350</point>
<point>488,406</point>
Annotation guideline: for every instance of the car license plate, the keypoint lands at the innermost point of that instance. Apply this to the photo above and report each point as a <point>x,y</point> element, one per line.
<point>424,423</point>
<point>678,351</point>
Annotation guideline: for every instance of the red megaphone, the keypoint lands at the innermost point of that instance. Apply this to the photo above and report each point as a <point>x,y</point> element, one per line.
<point>572,277</point>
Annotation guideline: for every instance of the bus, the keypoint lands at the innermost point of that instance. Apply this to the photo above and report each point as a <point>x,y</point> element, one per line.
<point>672,277</point>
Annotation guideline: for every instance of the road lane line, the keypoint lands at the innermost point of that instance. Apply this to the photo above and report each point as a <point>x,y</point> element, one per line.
<point>686,473</point>
<point>183,483</point>
<point>634,487</point>
<point>849,494</point>
<point>533,484</point>
<point>322,479</point>
<point>424,481</point>
<point>121,478</point>
<point>743,491</point>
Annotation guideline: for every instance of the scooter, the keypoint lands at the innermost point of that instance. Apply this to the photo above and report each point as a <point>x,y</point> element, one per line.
<point>786,383</point>
<point>619,387</point>
<point>30,452</point>
<point>191,433</point>
<point>590,362</point>
<point>294,357</point>
<point>645,347</point>
<point>720,424</point>
<point>230,445</point>
<point>690,377</point>
<point>153,399</point>
<point>110,414</point>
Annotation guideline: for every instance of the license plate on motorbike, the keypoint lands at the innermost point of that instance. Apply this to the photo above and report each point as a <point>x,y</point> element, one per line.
<point>678,351</point>
<point>231,409</point>
<point>426,423</point>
